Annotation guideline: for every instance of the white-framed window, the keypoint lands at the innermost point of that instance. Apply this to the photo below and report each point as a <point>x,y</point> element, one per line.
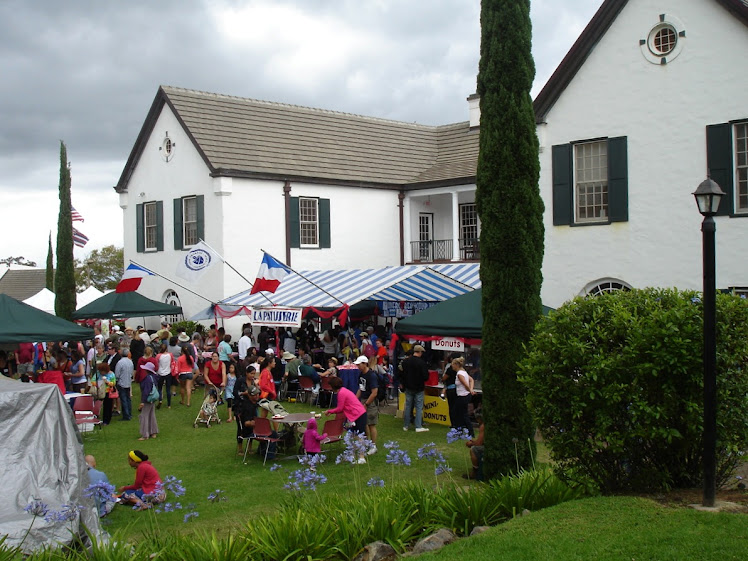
<point>741,167</point>
<point>150,226</point>
<point>189,221</point>
<point>172,298</point>
<point>308,222</point>
<point>591,181</point>
<point>601,286</point>
<point>469,227</point>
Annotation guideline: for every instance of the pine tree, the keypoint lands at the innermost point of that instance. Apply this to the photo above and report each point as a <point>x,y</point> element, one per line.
<point>511,239</point>
<point>65,275</point>
<point>50,284</point>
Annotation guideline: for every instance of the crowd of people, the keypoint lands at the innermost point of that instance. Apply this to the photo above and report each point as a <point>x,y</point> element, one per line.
<point>259,368</point>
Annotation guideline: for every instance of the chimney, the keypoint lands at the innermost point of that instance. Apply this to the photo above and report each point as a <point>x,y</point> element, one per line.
<point>474,109</point>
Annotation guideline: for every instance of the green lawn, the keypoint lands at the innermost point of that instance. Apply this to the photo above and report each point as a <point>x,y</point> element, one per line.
<point>616,528</point>
<point>205,460</point>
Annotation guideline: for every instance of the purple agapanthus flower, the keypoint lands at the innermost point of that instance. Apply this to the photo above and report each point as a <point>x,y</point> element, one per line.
<point>36,508</point>
<point>456,434</point>
<point>66,513</point>
<point>174,485</point>
<point>275,467</point>
<point>395,455</point>
<point>375,482</point>
<point>190,515</point>
<point>101,491</point>
<point>217,496</point>
<point>304,478</point>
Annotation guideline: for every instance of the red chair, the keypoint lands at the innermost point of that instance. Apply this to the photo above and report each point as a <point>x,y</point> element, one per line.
<point>325,388</point>
<point>263,432</point>
<point>334,430</point>
<point>86,412</point>
<point>306,385</point>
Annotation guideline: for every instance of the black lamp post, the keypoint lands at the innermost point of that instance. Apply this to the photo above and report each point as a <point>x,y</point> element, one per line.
<point>708,195</point>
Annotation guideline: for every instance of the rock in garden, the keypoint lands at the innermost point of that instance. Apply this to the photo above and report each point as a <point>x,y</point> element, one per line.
<point>377,551</point>
<point>435,541</point>
<point>479,530</point>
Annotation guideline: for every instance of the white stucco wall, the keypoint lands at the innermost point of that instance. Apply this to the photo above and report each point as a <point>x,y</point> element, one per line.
<point>244,217</point>
<point>185,174</point>
<point>663,111</point>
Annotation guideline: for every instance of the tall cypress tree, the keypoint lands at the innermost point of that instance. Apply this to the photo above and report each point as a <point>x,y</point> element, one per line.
<point>511,239</point>
<point>65,275</point>
<point>50,284</point>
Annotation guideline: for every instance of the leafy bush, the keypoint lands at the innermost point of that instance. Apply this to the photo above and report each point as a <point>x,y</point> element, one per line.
<point>615,383</point>
<point>189,327</point>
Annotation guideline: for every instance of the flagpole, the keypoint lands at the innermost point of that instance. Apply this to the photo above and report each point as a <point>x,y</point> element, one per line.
<point>173,282</point>
<point>237,272</point>
<point>306,279</point>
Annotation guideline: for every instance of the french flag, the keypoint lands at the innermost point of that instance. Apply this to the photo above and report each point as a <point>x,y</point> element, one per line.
<point>271,274</point>
<point>132,277</point>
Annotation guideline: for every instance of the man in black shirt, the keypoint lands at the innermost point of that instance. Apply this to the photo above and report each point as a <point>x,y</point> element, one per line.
<point>413,382</point>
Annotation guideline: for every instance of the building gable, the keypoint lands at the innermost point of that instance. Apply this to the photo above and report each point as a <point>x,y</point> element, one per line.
<point>586,42</point>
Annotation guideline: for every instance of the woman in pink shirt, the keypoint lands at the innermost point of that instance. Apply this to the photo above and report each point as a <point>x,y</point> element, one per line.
<point>348,405</point>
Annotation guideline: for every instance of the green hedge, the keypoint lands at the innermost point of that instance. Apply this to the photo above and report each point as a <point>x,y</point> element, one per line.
<point>615,383</point>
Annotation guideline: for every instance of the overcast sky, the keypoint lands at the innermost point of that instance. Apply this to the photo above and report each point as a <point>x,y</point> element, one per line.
<point>86,72</point>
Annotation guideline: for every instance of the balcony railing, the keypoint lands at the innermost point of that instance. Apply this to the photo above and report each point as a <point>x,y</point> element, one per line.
<point>441,250</point>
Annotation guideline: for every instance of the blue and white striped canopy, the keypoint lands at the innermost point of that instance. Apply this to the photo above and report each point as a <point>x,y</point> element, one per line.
<point>414,283</point>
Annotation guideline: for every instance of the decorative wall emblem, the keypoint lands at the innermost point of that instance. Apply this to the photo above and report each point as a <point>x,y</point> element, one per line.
<point>664,41</point>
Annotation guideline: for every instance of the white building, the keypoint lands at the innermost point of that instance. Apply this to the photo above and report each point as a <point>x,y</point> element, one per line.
<point>650,99</point>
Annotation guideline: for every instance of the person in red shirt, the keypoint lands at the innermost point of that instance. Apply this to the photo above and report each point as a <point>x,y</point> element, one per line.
<point>140,373</point>
<point>147,482</point>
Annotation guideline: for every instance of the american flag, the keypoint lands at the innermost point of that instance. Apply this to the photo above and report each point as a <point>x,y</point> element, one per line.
<point>76,215</point>
<point>79,239</point>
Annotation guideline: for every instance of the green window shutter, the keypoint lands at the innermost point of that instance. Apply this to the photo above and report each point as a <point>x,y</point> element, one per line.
<point>201,217</point>
<point>324,222</point>
<point>618,181</point>
<point>139,228</point>
<point>178,244</point>
<point>563,198</point>
<point>719,163</point>
<point>160,226</point>
<point>294,223</point>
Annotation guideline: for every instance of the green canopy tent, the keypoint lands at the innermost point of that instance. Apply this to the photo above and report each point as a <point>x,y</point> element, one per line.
<point>460,316</point>
<point>21,323</point>
<point>117,305</point>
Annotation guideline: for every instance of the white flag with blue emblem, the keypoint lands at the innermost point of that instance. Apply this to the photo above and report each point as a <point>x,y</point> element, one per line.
<point>193,264</point>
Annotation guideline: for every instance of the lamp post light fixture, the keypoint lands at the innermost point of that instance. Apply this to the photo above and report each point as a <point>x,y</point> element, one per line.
<point>708,195</point>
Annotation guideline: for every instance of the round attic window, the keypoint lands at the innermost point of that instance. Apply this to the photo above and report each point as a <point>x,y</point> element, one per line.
<point>167,148</point>
<point>664,41</point>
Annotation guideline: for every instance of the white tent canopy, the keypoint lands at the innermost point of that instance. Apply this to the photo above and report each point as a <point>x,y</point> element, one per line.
<point>43,300</point>
<point>88,296</point>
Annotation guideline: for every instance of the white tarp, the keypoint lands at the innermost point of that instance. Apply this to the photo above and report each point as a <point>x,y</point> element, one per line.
<point>42,460</point>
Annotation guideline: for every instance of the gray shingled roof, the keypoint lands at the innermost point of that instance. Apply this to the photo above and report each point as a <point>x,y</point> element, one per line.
<point>23,283</point>
<point>247,137</point>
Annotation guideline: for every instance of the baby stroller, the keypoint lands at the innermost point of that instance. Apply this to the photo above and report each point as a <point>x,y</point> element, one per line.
<point>208,412</point>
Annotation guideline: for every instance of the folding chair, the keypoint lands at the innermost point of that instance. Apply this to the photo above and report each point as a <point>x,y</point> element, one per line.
<point>326,389</point>
<point>334,430</point>
<point>263,433</point>
<point>85,412</point>
<point>306,385</point>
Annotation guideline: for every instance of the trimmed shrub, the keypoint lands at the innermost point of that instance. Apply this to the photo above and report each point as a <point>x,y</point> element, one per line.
<point>615,383</point>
